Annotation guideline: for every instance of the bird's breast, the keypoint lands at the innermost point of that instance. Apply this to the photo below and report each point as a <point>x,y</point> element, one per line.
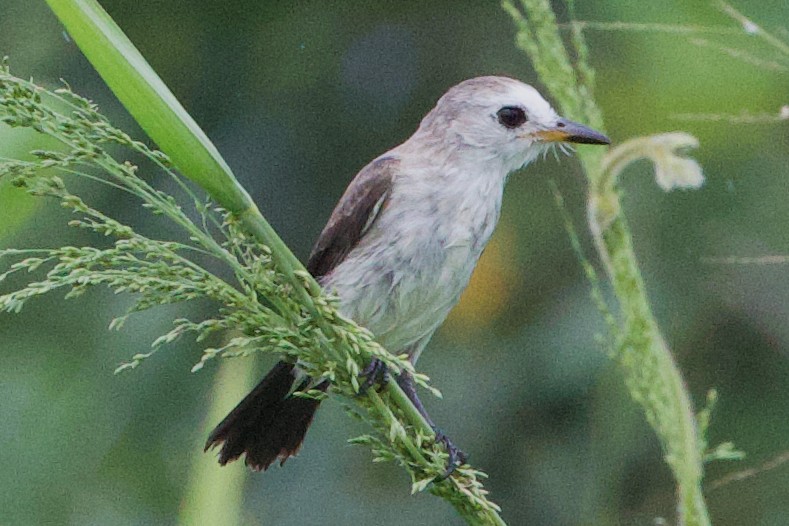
<point>408,272</point>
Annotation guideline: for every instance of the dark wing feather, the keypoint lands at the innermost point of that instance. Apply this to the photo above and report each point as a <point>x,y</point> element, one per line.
<point>356,211</point>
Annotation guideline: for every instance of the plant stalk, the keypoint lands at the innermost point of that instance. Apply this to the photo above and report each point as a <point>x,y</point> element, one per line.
<point>167,123</point>
<point>650,373</point>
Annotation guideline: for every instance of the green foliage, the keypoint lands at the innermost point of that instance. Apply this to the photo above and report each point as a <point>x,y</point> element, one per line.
<point>527,393</point>
<point>159,113</point>
<point>635,342</point>
<point>215,494</point>
<point>146,97</point>
<point>158,271</point>
<point>259,300</point>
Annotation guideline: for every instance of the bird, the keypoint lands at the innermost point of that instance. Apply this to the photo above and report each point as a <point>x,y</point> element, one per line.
<point>401,245</point>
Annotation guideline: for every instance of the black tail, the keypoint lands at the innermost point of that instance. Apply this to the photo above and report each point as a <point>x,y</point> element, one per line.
<point>268,424</point>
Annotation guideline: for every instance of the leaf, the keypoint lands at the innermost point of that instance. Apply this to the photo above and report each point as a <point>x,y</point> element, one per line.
<point>420,485</point>
<point>149,100</point>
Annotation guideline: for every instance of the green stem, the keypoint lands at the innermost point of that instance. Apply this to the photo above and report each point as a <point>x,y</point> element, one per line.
<point>214,495</point>
<point>386,413</point>
<point>651,374</point>
<point>652,377</point>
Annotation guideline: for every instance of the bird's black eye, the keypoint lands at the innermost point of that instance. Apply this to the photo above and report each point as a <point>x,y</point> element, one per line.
<point>511,116</point>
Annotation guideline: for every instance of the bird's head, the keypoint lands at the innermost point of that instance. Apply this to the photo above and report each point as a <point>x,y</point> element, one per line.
<point>501,118</point>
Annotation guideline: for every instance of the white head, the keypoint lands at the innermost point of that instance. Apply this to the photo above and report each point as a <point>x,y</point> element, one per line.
<point>499,118</point>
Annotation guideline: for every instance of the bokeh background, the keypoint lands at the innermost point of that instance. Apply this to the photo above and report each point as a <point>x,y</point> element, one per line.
<point>298,96</point>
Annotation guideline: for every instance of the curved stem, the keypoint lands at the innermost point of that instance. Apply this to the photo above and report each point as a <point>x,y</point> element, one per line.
<point>650,373</point>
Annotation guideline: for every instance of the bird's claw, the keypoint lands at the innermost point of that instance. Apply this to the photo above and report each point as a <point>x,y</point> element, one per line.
<point>376,373</point>
<point>456,456</point>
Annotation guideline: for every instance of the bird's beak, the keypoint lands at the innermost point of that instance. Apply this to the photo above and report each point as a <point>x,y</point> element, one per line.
<point>569,131</point>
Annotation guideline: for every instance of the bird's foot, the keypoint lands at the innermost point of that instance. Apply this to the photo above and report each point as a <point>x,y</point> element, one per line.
<point>456,456</point>
<point>376,373</point>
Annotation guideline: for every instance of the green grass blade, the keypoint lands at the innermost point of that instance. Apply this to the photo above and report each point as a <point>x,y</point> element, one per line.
<point>149,100</point>
<point>159,113</point>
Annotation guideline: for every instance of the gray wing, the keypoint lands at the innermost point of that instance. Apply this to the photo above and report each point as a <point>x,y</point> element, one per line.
<point>354,214</point>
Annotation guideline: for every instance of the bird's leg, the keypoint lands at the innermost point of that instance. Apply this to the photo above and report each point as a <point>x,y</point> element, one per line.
<point>456,456</point>
<point>376,373</point>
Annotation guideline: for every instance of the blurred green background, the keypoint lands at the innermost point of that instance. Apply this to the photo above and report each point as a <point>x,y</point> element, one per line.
<point>298,96</point>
